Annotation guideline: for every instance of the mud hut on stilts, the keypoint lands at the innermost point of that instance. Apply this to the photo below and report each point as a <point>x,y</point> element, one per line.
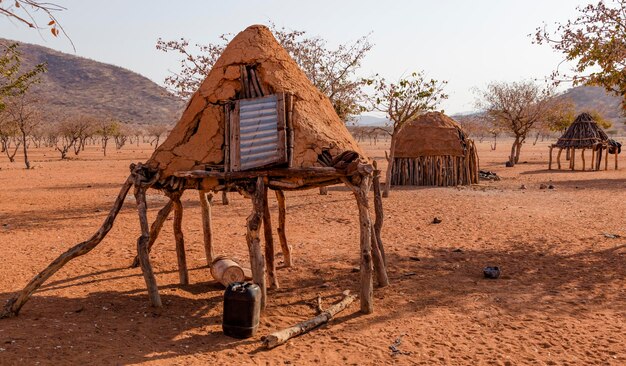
<point>585,134</point>
<point>256,123</point>
<point>433,150</point>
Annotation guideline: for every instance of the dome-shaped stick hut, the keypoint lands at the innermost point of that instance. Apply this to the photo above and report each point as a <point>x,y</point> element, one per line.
<point>255,124</point>
<point>433,150</point>
<point>585,134</point>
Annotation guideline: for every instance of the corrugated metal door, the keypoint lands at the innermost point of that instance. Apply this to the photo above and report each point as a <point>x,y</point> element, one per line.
<point>258,137</point>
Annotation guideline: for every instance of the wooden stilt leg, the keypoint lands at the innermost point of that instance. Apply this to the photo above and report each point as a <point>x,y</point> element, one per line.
<point>550,159</point>
<point>183,274</point>
<point>155,229</point>
<point>282,213</point>
<point>225,199</point>
<point>142,248</point>
<point>367,286</point>
<point>573,159</point>
<point>558,158</point>
<point>206,202</point>
<point>606,158</point>
<point>615,158</point>
<point>257,262</point>
<point>593,158</point>
<point>582,156</point>
<point>270,264</point>
<point>378,209</point>
<point>13,306</point>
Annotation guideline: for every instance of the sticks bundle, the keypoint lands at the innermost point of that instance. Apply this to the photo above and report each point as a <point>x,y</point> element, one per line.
<point>251,85</point>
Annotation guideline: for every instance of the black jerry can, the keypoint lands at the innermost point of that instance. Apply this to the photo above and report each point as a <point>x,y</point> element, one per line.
<point>242,309</point>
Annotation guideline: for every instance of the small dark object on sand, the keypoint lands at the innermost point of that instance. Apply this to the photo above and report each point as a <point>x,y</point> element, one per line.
<point>491,272</point>
<point>508,164</point>
<point>437,220</point>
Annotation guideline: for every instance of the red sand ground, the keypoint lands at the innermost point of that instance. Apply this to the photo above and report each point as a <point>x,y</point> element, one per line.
<point>560,301</point>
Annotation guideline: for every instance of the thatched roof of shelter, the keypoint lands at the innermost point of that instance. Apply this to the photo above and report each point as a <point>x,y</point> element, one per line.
<point>198,138</point>
<point>430,134</point>
<point>584,132</point>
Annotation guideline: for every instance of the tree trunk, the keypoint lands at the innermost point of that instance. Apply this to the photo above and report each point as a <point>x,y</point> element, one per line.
<point>518,149</point>
<point>513,150</point>
<point>26,162</point>
<point>389,165</point>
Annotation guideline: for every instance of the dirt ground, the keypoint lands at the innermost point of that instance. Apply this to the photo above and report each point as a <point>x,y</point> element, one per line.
<point>561,299</point>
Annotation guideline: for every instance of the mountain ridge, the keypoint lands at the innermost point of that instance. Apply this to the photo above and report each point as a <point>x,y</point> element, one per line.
<point>79,85</point>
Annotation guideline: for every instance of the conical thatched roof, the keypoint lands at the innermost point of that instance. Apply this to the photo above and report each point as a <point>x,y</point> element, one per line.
<point>198,138</point>
<point>584,132</point>
<point>430,134</point>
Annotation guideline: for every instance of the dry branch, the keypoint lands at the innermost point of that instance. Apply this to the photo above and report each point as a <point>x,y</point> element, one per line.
<point>12,308</point>
<point>280,337</point>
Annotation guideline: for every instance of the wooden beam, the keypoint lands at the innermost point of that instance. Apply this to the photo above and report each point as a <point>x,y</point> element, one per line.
<point>15,303</point>
<point>142,248</point>
<point>279,172</point>
<point>366,268</point>
<point>155,228</point>
<point>270,263</point>
<point>257,262</point>
<point>550,159</point>
<point>282,216</point>
<point>206,202</point>
<point>183,273</point>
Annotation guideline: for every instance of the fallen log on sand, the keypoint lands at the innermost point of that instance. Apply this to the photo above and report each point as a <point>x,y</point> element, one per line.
<point>282,336</point>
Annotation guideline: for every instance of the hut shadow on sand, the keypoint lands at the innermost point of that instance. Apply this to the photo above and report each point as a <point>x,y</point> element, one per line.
<point>442,279</point>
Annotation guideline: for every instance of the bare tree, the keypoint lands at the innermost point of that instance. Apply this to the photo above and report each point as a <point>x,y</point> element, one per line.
<point>21,110</point>
<point>333,71</point>
<point>402,101</point>
<point>68,131</point>
<point>515,107</point>
<point>9,137</point>
<point>155,132</point>
<point>106,129</point>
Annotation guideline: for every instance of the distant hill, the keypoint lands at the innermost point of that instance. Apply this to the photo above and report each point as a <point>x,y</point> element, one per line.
<point>78,85</point>
<point>371,121</point>
<point>595,98</point>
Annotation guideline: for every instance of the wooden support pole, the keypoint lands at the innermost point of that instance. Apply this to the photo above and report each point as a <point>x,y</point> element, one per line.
<point>155,228</point>
<point>270,263</point>
<point>378,209</point>
<point>257,262</point>
<point>280,337</point>
<point>183,274</point>
<point>558,158</point>
<point>377,254</point>
<point>593,158</point>
<point>606,158</point>
<point>142,248</point>
<point>582,156</point>
<point>15,303</point>
<point>282,236</point>
<point>572,160</point>
<point>206,202</point>
<point>366,270</point>
<point>550,159</point>
<point>616,157</point>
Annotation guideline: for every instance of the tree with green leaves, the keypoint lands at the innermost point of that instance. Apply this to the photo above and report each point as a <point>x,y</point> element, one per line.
<point>13,80</point>
<point>402,101</point>
<point>595,41</point>
<point>332,71</point>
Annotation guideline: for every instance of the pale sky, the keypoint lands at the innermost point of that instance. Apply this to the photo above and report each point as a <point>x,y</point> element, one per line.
<point>467,43</point>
